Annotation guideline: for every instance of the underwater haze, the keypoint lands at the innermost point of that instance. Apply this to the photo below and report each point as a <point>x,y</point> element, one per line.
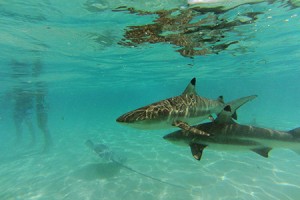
<point>69,69</point>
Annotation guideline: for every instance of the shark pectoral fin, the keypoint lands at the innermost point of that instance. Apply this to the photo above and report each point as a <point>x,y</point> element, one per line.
<point>197,150</point>
<point>186,127</point>
<point>182,125</point>
<point>263,151</point>
<point>199,132</point>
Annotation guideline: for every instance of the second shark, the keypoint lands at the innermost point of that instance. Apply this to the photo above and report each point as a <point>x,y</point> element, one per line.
<point>229,135</point>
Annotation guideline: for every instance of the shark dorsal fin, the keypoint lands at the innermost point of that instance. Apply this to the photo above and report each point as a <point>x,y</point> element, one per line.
<point>227,108</point>
<point>190,88</point>
<point>229,111</point>
<point>225,116</point>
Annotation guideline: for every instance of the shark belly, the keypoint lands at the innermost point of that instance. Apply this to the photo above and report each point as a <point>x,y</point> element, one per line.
<point>228,143</point>
<point>164,123</point>
<point>237,142</point>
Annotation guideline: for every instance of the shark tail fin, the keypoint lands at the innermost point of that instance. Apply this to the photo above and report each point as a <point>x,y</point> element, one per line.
<point>295,132</point>
<point>236,104</point>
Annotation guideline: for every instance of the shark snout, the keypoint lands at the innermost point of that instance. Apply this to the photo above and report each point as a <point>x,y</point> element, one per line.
<point>170,137</point>
<point>120,119</point>
<point>176,139</point>
<point>166,137</point>
<point>133,116</point>
<point>126,118</point>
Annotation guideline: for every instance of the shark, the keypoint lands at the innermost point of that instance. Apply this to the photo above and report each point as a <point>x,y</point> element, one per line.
<point>188,107</point>
<point>227,134</point>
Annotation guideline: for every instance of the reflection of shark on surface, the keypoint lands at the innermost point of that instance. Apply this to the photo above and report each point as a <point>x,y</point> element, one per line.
<point>229,135</point>
<point>187,107</point>
<point>105,153</point>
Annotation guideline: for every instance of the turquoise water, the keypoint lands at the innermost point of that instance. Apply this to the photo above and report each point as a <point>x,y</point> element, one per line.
<point>88,80</point>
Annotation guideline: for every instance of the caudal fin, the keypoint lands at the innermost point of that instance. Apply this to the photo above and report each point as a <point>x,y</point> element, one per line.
<point>236,104</point>
<point>229,111</point>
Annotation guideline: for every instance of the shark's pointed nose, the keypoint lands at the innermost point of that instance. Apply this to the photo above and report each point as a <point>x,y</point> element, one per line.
<point>120,119</point>
<point>133,116</point>
<point>167,137</point>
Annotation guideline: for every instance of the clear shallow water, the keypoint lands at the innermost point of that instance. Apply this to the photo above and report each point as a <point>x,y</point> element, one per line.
<point>90,80</point>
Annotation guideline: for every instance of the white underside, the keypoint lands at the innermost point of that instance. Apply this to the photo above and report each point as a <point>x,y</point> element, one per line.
<point>164,124</point>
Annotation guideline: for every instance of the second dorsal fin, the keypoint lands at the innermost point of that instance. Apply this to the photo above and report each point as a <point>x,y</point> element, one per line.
<point>221,99</point>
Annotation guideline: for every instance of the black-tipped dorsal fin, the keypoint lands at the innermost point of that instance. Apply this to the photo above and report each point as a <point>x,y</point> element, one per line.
<point>263,151</point>
<point>236,104</point>
<point>227,108</point>
<point>225,116</point>
<point>190,88</point>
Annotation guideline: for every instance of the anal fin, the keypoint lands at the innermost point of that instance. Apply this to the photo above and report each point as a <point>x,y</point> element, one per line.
<point>197,150</point>
<point>263,151</point>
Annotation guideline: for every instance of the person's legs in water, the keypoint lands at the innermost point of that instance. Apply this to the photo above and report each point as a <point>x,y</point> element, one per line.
<point>42,122</point>
<point>18,125</point>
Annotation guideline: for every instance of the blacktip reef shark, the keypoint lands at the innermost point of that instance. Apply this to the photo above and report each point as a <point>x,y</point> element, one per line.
<point>187,107</point>
<point>229,135</point>
<point>106,154</point>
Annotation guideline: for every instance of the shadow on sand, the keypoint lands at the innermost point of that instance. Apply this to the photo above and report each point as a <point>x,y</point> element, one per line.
<point>97,171</point>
